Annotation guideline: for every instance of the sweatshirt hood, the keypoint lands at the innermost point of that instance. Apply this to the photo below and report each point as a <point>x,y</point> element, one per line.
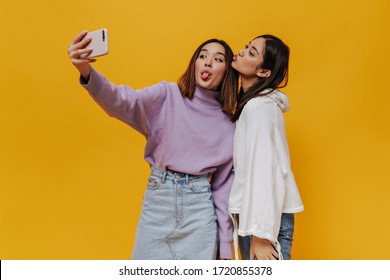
<point>279,97</point>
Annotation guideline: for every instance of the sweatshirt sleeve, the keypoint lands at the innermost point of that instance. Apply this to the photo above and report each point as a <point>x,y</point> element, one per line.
<point>265,183</point>
<point>137,108</point>
<point>221,185</point>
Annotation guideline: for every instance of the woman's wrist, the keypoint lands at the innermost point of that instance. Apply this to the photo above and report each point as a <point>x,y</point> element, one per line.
<point>85,72</point>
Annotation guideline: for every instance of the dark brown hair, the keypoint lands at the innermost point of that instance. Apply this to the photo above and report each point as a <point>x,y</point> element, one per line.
<point>227,95</point>
<point>275,59</point>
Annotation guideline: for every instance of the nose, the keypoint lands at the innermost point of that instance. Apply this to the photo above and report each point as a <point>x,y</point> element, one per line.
<point>208,62</point>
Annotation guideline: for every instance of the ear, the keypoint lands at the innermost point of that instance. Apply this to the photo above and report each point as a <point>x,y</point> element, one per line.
<point>263,73</point>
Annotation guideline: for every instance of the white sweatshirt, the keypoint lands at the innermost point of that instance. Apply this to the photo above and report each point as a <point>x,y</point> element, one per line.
<point>264,186</point>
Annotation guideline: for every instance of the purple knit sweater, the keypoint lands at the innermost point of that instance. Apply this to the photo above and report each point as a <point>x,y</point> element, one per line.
<point>189,136</point>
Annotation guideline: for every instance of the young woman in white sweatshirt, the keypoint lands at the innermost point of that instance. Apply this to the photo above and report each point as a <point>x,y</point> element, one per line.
<point>264,194</point>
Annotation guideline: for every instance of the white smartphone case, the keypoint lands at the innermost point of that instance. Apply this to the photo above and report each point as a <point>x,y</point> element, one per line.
<point>99,43</point>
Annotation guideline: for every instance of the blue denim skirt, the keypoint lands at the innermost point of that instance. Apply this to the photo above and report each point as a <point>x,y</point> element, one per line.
<point>178,220</point>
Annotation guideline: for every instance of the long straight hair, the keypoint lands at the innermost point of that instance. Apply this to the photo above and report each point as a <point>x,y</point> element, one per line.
<point>227,90</point>
<point>275,58</point>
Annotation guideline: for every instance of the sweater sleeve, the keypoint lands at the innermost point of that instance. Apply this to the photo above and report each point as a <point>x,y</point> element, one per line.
<point>265,184</point>
<point>137,108</point>
<point>221,185</point>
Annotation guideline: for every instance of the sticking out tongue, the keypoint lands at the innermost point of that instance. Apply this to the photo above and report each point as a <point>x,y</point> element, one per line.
<point>205,76</point>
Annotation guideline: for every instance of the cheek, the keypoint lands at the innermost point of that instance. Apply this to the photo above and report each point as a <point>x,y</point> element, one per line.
<point>222,70</point>
<point>246,64</point>
<point>197,66</point>
<point>248,67</point>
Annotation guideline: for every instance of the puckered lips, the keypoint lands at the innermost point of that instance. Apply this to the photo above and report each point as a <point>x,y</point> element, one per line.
<point>205,75</point>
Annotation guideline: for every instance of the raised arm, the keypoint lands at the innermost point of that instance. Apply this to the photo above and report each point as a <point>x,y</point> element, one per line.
<point>138,108</point>
<point>76,50</point>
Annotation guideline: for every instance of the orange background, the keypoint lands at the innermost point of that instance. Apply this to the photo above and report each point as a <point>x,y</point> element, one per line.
<point>72,179</point>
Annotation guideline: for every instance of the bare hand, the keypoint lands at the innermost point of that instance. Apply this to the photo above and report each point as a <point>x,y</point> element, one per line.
<point>77,50</point>
<point>263,249</point>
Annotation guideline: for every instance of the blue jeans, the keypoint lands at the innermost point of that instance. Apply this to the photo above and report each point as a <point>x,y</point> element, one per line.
<point>178,220</point>
<point>285,238</point>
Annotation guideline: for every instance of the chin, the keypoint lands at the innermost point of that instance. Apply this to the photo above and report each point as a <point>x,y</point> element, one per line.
<point>204,86</point>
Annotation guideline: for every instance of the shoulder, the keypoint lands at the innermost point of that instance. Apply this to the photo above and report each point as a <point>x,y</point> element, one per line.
<point>164,85</point>
<point>259,112</point>
<point>162,88</point>
<point>259,106</point>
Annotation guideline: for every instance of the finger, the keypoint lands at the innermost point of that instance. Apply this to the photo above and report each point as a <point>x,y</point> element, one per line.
<point>83,60</point>
<point>79,45</point>
<point>275,253</point>
<point>80,54</point>
<point>79,37</point>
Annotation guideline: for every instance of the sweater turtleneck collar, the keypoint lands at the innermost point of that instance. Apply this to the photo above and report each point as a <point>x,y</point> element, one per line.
<point>206,97</point>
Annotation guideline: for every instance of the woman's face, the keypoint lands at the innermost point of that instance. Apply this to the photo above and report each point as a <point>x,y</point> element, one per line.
<point>210,66</point>
<point>248,60</point>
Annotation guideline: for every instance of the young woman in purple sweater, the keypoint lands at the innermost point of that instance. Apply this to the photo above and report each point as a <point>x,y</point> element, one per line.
<point>189,144</point>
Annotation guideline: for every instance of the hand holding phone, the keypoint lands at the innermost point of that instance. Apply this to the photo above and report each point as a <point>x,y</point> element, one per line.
<point>99,43</point>
<point>84,47</point>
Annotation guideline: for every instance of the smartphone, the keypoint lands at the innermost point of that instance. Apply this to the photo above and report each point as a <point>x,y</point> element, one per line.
<point>99,43</point>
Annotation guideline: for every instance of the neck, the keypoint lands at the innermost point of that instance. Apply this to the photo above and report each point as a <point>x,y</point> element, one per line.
<point>206,97</point>
<point>246,83</point>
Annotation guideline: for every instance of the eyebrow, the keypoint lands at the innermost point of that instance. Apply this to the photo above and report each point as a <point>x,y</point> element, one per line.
<point>216,52</point>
